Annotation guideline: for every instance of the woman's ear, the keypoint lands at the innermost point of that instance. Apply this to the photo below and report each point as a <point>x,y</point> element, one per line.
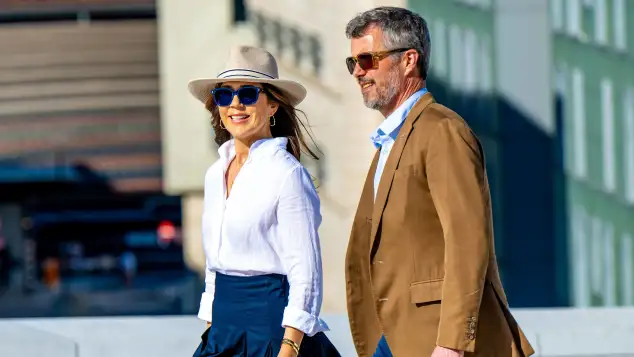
<point>273,107</point>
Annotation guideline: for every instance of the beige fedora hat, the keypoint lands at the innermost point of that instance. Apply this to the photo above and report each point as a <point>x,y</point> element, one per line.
<point>249,64</point>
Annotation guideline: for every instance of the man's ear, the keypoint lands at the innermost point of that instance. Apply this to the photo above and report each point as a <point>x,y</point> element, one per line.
<point>410,61</point>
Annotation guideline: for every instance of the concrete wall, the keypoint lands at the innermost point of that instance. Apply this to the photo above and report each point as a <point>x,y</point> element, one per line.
<point>194,41</point>
<point>552,332</point>
<point>340,122</point>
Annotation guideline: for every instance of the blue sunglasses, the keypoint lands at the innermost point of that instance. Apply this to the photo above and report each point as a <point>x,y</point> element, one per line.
<point>247,95</point>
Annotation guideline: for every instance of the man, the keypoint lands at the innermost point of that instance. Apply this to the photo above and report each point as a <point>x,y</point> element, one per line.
<point>421,272</point>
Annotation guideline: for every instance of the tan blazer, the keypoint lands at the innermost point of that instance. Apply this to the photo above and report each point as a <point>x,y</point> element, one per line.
<point>420,265</point>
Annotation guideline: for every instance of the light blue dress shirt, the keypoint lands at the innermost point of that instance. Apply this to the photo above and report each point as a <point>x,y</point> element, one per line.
<point>385,135</point>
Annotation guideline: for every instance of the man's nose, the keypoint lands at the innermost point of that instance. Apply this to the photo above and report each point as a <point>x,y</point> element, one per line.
<point>358,72</point>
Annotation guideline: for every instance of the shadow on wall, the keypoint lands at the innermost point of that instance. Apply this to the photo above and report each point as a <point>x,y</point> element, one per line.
<point>525,171</point>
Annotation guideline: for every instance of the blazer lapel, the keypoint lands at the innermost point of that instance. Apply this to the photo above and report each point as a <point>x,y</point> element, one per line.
<point>385,183</point>
<point>367,195</point>
<point>364,209</point>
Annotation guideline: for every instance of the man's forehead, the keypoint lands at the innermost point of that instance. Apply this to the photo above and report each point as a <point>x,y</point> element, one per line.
<point>366,43</point>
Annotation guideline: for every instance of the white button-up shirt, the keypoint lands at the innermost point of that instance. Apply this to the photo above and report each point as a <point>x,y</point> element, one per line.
<point>267,225</point>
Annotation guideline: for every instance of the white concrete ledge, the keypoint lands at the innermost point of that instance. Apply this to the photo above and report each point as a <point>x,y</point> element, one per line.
<point>553,332</point>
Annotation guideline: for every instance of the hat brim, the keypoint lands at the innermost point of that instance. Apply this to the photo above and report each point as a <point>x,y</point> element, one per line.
<point>201,88</point>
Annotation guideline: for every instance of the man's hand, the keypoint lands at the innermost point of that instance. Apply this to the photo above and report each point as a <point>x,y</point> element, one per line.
<point>446,352</point>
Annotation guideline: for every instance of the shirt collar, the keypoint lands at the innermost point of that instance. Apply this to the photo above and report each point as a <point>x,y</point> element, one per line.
<point>227,150</point>
<point>389,128</point>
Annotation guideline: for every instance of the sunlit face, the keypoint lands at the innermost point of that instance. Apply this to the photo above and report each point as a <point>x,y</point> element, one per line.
<point>248,123</point>
<point>379,86</point>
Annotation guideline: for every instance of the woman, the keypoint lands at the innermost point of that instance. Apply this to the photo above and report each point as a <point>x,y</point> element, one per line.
<point>261,214</point>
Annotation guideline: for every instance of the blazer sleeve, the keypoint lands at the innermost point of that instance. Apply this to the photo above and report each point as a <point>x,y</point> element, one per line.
<point>457,183</point>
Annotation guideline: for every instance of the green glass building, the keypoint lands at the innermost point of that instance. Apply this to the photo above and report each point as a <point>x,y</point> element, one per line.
<point>563,175</point>
<point>593,59</point>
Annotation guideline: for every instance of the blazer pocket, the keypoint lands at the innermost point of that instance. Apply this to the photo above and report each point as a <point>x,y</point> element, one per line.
<point>426,291</point>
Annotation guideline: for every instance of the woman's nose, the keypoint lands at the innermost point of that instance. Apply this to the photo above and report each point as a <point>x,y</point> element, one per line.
<point>235,101</point>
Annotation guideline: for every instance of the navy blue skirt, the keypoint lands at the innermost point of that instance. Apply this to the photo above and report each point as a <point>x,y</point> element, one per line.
<point>247,317</point>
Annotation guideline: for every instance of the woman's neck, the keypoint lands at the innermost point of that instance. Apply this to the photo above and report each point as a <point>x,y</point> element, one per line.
<point>242,148</point>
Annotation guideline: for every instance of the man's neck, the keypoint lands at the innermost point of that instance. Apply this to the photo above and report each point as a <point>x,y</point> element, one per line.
<point>409,88</point>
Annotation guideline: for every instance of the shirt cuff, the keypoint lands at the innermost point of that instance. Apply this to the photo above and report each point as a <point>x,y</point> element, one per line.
<point>206,303</point>
<point>303,321</point>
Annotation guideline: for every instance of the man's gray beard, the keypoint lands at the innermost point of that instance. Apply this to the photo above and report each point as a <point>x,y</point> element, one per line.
<point>384,94</point>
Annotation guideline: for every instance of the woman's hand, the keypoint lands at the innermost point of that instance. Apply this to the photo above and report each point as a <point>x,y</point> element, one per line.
<point>287,351</point>
<point>294,335</point>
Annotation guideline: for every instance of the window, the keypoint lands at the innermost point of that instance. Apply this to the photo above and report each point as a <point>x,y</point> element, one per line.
<point>620,25</point>
<point>627,270</point>
<point>486,4</point>
<point>455,56</point>
<point>296,45</point>
<point>601,21</point>
<point>470,61</point>
<point>609,271</point>
<point>579,124</point>
<point>439,48</point>
<point>260,25</point>
<point>557,14</point>
<point>607,116</point>
<point>573,23</point>
<point>316,54</point>
<point>239,11</point>
<point>486,73</point>
<point>277,35</point>
<point>628,141</point>
<point>603,272</point>
<point>560,81</point>
<point>579,266</point>
<point>596,256</point>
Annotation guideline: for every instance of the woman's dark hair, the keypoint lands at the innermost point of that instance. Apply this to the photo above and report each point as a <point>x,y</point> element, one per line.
<point>287,123</point>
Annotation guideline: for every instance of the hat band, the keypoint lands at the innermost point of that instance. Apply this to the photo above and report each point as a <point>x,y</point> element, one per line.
<point>249,73</point>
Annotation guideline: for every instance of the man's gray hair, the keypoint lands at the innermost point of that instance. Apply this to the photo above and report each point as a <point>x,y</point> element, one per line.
<point>401,28</point>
